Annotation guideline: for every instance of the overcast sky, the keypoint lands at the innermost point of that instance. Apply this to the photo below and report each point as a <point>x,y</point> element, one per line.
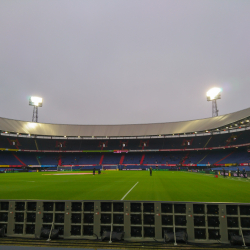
<point>123,61</point>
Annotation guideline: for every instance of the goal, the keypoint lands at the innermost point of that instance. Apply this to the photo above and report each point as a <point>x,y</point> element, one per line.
<point>110,167</point>
<point>64,168</point>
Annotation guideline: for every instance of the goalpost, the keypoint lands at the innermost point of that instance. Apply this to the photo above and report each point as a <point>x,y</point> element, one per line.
<point>64,168</point>
<point>110,167</point>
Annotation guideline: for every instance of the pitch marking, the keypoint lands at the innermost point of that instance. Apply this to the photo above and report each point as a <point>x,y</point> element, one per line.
<point>129,191</point>
<point>69,174</point>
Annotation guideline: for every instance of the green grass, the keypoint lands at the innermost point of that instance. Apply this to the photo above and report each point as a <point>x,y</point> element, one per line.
<point>113,185</point>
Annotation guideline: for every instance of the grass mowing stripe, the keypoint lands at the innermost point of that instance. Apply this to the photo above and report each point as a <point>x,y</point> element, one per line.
<point>129,191</point>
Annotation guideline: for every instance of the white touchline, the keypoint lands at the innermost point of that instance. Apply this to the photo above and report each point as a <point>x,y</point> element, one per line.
<point>129,191</point>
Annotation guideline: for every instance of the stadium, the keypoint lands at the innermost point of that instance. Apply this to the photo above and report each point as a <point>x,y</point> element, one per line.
<point>197,191</point>
<point>126,153</point>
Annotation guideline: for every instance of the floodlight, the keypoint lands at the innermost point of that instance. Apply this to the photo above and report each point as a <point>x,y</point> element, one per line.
<point>35,102</point>
<point>32,125</point>
<point>213,95</point>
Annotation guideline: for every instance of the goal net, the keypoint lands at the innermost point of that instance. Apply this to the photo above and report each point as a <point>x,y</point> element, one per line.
<point>64,168</point>
<point>110,167</point>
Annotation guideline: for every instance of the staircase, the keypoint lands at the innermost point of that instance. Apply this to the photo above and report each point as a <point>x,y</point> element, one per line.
<point>101,160</point>
<point>60,160</point>
<point>224,158</point>
<point>38,160</point>
<point>203,158</point>
<point>37,147</point>
<point>122,159</point>
<point>142,159</point>
<point>207,142</point>
<point>184,159</point>
<point>19,159</point>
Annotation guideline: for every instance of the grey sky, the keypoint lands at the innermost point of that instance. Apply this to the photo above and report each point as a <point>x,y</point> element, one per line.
<point>118,62</point>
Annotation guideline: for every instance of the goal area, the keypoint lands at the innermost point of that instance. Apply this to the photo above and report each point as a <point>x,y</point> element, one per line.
<point>110,167</point>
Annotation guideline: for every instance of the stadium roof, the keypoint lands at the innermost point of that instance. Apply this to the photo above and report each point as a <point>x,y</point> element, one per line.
<point>45,129</point>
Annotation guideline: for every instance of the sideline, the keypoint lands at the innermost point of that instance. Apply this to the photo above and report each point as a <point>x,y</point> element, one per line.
<point>129,191</point>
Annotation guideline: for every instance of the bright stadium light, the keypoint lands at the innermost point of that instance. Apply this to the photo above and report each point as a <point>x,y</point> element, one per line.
<point>36,102</point>
<point>32,125</point>
<point>213,95</point>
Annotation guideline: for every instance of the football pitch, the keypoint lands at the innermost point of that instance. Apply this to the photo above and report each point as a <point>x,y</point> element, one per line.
<point>124,185</point>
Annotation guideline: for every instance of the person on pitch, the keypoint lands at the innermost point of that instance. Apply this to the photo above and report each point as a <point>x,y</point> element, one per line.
<point>244,173</point>
<point>93,171</point>
<point>238,172</point>
<point>224,172</point>
<point>150,170</point>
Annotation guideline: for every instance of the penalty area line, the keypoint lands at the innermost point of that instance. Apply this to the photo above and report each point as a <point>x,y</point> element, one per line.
<point>129,191</point>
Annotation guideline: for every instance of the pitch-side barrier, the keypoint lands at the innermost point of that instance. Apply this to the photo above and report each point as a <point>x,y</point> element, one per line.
<point>131,220</point>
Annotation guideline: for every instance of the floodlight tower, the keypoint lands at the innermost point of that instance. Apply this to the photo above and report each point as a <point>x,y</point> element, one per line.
<point>36,102</point>
<point>213,95</point>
